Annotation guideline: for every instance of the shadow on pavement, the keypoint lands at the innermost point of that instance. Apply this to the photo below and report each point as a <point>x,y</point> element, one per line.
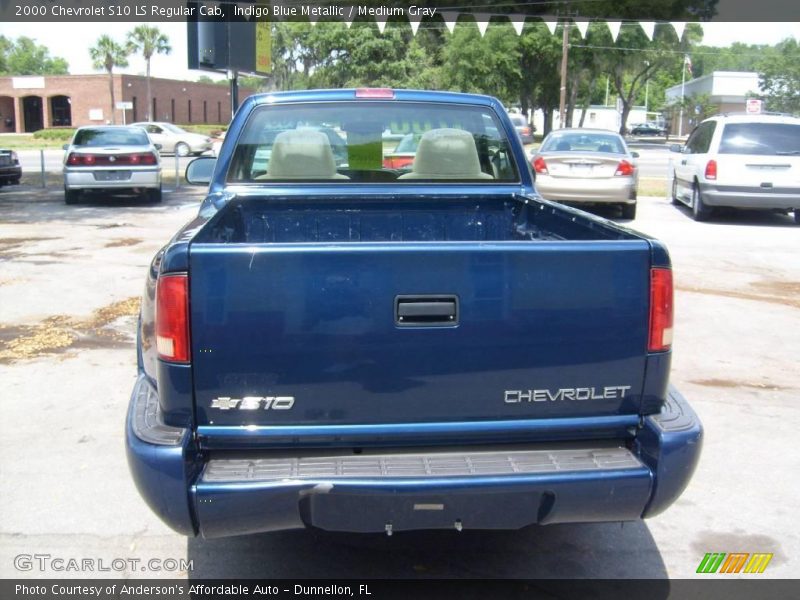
<point>29,204</point>
<point>606,550</point>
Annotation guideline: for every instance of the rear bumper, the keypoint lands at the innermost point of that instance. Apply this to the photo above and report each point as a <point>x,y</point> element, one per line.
<point>10,174</point>
<point>589,191</point>
<point>137,178</point>
<point>750,197</point>
<point>479,487</point>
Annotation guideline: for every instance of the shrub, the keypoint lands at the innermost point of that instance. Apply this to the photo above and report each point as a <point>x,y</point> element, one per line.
<point>61,134</point>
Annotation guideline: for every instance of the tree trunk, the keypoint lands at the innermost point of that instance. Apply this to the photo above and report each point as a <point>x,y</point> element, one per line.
<point>548,119</point>
<point>587,101</point>
<point>111,89</point>
<point>626,110</point>
<point>572,98</point>
<point>149,94</point>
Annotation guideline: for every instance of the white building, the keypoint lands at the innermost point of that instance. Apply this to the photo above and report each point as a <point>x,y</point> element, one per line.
<point>598,117</point>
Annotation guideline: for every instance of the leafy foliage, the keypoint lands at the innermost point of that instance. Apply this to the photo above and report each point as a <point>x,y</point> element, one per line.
<point>24,56</point>
<point>779,77</point>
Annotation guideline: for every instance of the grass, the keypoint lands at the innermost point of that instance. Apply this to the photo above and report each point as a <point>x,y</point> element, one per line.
<point>651,186</point>
<point>27,142</point>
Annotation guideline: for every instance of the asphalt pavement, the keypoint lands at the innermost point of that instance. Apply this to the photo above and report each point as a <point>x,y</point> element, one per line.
<point>69,286</point>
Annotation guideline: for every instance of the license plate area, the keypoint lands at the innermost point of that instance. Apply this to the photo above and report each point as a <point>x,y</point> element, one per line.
<point>112,175</point>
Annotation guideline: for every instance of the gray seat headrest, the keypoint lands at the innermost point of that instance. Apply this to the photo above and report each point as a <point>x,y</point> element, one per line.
<point>302,154</point>
<point>446,154</point>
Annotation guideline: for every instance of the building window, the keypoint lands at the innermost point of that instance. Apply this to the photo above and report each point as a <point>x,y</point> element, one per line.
<point>172,108</point>
<point>60,111</point>
<point>155,109</point>
<point>190,111</point>
<point>205,111</point>
<point>135,117</point>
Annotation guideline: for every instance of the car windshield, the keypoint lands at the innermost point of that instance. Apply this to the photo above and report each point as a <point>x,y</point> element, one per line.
<point>344,141</point>
<point>132,136</point>
<point>583,142</point>
<point>173,128</point>
<point>518,121</point>
<point>760,138</point>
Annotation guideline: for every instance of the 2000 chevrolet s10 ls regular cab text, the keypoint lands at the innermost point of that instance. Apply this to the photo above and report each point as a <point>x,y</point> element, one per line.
<point>339,344</point>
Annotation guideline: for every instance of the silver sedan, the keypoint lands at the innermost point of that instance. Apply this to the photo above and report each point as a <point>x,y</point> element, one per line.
<point>587,166</point>
<point>111,159</point>
<point>174,140</point>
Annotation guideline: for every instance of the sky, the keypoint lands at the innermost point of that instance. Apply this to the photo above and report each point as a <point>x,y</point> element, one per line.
<point>74,46</point>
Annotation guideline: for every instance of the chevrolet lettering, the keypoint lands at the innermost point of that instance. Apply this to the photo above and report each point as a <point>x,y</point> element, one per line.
<point>464,354</point>
<point>586,393</point>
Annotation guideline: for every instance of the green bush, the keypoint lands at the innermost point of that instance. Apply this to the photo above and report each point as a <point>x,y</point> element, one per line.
<point>204,129</point>
<point>59,134</point>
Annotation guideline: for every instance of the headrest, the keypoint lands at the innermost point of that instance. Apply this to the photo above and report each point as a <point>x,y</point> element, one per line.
<point>446,154</point>
<point>302,154</point>
<point>563,147</point>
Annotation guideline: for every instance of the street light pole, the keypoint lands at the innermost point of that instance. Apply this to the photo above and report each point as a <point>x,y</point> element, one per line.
<point>683,84</point>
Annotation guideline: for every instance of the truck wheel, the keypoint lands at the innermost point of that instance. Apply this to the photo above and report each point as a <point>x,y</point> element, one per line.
<point>154,196</point>
<point>71,196</point>
<point>629,211</point>
<point>182,149</point>
<point>797,215</point>
<point>700,212</point>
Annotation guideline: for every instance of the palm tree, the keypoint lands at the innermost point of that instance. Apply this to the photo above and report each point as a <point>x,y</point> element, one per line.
<point>107,54</point>
<point>148,40</point>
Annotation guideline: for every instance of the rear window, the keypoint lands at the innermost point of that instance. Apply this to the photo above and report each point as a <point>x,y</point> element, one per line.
<point>583,142</point>
<point>111,137</point>
<point>348,142</point>
<point>760,138</point>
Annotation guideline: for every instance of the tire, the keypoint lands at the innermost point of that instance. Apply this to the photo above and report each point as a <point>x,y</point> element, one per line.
<point>674,195</point>
<point>71,196</point>
<point>797,215</point>
<point>629,211</point>
<point>181,149</point>
<point>154,196</point>
<point>700,212</point>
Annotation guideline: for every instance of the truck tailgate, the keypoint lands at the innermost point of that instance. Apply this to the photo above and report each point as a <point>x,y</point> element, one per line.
<point>382,332</point>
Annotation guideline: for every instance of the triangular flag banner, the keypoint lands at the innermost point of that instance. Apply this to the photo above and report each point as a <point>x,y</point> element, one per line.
<point>414,21</point>
<point>551,25</point>
<point>381,23</point>
<point>583,27</point>
<point>450,19</point>
<point>482,21</point>
<point>613,27</point>
<point>679,26</point>
<point>518,22</point>
<point>649,28</point>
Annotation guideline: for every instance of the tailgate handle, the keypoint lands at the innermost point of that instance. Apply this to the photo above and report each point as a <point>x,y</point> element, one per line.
<point>426,311</point>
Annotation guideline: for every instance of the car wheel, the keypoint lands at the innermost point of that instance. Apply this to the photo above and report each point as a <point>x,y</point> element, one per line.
<point>797,215</point>
<point>629,211</point>
<point>182,149</point>
<point>154,196</point>
<point>700,212</point>
<point>674,196</point>
<point>71,196</point>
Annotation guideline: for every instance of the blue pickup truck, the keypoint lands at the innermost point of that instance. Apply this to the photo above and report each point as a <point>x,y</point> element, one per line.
<point>337,343</point>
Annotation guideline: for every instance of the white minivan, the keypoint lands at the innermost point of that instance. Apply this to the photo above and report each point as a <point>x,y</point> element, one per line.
<point>739,161</point>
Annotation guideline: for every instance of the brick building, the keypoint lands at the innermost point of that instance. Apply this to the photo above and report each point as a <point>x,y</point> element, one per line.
<point>38,102</point>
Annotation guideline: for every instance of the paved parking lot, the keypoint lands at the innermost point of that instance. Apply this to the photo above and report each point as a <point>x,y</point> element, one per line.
<point>69,282</point>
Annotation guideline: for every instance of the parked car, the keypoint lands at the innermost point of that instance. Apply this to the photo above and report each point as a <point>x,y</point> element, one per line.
<point>402,157</point>
<point>358,349</point>
<point>174,140</point>
<point>111,159</point>
<point>524,129</point>
<point>739,161</point>
<point>648,129</point>
<point>587,166</point>
<point>10,169</point>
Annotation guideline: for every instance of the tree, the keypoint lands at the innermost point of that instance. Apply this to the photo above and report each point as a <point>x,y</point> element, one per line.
<point>779,77</point>
<point>107,54</point>
<point>148,40</point>
<point>24,56</point>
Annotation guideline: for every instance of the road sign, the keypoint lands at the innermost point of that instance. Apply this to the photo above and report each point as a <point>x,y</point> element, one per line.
<point>124,105</point>
<point>753,106</point>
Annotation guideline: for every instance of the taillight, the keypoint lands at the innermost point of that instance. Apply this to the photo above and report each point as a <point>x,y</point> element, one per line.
<point>172,318</point>
<point>525,131</point>
<point>73,159</point>
<point>88,159</point>
<point>711,169</point>
<point>624,169</point>
<point>539,165</point>
<point>660,338</point>
<point>385,93</point>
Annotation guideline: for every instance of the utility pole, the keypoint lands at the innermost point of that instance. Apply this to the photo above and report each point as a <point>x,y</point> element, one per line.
<point>562,103</point>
